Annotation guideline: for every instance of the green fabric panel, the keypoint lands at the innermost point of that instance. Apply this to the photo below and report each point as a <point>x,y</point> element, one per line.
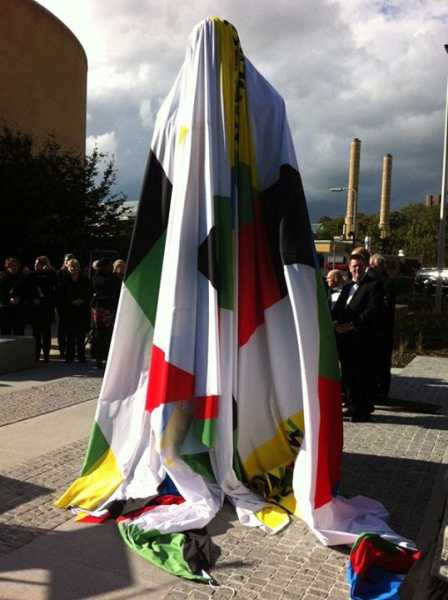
<point>96,448</point>
<point>205,431</point>
<point>163,550</point>
<point>328,354</point>
<point>224,251</point>
<point>245,195</point>
<point>238,465</point>
<point>144,281</point>
<point>200,464</point>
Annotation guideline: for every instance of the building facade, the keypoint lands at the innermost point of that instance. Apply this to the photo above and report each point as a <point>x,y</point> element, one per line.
<point>43,71</point>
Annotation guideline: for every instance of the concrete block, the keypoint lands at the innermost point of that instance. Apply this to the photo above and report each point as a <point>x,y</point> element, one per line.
<point>17,353</point>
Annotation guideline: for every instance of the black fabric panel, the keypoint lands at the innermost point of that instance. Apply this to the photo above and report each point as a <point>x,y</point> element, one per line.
<point>200,553</point>
<point>152,214</point>
<point>287,220</point>
<point>207,260</point>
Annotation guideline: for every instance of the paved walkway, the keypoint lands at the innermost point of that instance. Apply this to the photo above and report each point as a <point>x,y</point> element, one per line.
<point>397,459</point>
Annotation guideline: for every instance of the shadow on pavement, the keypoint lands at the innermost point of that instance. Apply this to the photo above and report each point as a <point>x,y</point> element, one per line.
<point>403,485</point>
<point>413,389</point>
<point>56,369</point>
<point>75,564</point>
<point>409,419</point>
<point>14,492</point>
<point>398,404</point>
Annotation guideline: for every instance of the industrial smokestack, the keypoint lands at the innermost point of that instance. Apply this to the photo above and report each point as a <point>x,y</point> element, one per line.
<point>384,225</point>
<point>350,222</point>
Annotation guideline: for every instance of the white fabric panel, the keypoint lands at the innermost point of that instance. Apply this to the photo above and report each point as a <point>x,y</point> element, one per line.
<point>269,388</point>
<point>269,128</point>
<point>202,171</point>
<point>301,283</point>
<point>221,455</point>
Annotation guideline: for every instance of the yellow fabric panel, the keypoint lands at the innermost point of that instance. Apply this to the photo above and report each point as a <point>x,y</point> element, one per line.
<point>240,148</point>
<point>273,517</point>
<point>90,490</point>
<point>229,72</point>
<point>276,452</point>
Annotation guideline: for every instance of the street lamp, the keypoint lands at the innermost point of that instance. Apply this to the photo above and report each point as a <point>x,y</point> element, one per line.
<point>354,191</point>
<point>442,219</point>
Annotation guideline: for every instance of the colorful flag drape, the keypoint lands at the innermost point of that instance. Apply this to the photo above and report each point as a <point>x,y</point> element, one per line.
<point>222,378</point>
<point>378,567</point>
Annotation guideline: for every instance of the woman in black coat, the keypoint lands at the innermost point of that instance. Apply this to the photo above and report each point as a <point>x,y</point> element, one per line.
<point>75,293</point>
<point>106,292</point>
<point>42,282</point>
<point>14,294</point>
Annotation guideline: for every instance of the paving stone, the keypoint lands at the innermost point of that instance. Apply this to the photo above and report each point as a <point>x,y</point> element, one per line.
<point>395,459</point>
<point>21,404</point>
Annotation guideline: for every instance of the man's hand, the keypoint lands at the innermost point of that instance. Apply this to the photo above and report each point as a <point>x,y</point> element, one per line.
<point>344,327</point>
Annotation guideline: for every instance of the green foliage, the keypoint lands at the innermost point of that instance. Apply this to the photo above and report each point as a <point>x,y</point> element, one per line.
<point>54,200</point>
<point>419,331</point>
<point>414,229</point>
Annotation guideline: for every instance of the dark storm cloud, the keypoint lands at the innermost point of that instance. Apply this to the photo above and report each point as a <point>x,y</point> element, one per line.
<point>371,69</point>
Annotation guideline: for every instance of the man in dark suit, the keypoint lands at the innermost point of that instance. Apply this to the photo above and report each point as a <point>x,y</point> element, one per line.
<point>356,314</point>
<point>384,335</point>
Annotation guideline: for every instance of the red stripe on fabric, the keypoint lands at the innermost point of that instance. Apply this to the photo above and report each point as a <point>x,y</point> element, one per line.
<point>206,407</point>
<point>167,500</point>
<point>167,383</point>
<point>373,551</point>
<point>258,287</point>
<point>92,519</point>
<point>329,452</point>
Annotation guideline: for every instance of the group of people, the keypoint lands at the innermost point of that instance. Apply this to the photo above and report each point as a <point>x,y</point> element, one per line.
<point>81,302</point>
<point>362,311</point>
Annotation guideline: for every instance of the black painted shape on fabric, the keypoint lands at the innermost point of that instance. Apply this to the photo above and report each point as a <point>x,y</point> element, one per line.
<point>207,258</point>
<point>287,221</point>
<point>152,214</point>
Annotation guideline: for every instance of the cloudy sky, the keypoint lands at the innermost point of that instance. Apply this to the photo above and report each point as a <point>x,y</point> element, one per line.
<point>372,69</point>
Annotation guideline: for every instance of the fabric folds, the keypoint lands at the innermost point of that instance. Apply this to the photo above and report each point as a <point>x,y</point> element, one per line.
<point>222,378</point>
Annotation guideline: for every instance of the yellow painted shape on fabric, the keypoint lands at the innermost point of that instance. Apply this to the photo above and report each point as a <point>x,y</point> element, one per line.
<point>288,502</point>
<point>233,86</point>
<point>229,73</point>
<point>183,132</point>
<point>273,517</point>
<point>174,433</point>
<point>276,452</point>
<point>92,488</point>
<point>82,515</point>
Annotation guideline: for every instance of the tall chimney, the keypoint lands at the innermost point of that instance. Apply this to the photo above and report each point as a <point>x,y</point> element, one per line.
<point>384,225</point>
<point>350,223</point>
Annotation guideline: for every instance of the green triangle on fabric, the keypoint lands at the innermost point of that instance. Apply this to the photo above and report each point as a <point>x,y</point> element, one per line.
<point>144,281</point>
<point>205,431</point>
<point>200,464</point>
<point>96,448</point>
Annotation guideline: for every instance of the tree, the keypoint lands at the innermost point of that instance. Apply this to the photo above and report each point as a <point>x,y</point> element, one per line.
<point>413,229</point>
<point>55,201</point>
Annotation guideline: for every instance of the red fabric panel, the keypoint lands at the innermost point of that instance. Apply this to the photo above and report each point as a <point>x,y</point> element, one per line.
<point>167,383</point>
<point>206,407</point>
<point>371,550</point>
<point>92,519</point>
<point>159,501</point>
<point>329,452</point>
<point>258,287</point>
